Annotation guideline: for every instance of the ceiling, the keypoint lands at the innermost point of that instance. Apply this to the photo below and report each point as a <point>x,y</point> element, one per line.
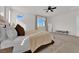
<point>39,10</point>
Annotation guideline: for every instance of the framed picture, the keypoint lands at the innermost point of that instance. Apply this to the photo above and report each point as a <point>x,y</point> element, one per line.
<point>41,22</point>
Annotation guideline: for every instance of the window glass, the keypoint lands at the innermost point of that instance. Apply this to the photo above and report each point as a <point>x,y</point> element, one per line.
<point>41,23</point>
<point>20,17</point>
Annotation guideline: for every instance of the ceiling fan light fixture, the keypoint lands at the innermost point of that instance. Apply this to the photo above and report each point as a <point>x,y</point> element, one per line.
<point>50,9</point>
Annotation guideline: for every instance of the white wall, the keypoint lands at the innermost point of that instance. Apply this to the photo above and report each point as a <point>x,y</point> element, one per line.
<point>66,21</point>
<point>27,23</point>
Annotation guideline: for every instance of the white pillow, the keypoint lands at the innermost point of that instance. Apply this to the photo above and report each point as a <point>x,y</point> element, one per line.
<point>2,34</point>
<point>11,33</point>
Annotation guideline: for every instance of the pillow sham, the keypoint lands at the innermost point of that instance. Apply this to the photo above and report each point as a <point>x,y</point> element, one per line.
<point>20,30</point>
<point>2,34</point>
<point>11,32</point>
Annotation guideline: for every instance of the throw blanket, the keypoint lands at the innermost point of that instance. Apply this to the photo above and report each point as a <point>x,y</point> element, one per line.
<point>39,38</point>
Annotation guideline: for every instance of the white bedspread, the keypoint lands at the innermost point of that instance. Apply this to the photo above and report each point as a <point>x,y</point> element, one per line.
<point>16,43</point>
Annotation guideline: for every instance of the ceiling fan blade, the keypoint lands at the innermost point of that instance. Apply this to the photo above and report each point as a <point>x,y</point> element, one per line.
<point>54,8</point>
<point>51,10</point>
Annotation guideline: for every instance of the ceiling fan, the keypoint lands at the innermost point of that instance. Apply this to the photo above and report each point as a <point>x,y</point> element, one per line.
<point>50,9</point>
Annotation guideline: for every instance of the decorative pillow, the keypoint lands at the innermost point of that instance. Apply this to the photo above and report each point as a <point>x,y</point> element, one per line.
<point>11,32</point>
<point>2,34</point>
<point>20,30</point>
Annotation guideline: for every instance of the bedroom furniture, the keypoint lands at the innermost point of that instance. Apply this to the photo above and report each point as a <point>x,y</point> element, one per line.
<point>29,51</point>
<point>32,41</point>
<point>6,50</point>
<point>39,38</point>
<point>36,38</point>
<point>40,48</point>
<point>9,38</point>
<point>16,43</point>
<point>20,30</point>
<point>44,47</point>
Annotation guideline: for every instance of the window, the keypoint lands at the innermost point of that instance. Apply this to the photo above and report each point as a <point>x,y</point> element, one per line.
<point>20,17</point>
<point>41,22</point>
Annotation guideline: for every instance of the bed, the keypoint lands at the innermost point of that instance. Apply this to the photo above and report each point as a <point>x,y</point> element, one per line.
<point>31,41</point>
<point>38,38</point>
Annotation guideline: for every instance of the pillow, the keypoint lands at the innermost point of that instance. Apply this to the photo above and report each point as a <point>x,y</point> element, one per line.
<point>20,30</point>
<point>11,32</point>
<point>2,34</point>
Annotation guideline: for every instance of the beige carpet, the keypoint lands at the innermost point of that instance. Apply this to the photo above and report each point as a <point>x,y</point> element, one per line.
<point>63,44</point>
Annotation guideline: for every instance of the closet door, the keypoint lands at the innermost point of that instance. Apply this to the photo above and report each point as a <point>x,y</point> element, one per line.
<point>50,27</point>
<point>77,26</point>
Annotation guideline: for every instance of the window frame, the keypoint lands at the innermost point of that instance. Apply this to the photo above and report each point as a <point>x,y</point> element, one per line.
<point>46,22</point>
